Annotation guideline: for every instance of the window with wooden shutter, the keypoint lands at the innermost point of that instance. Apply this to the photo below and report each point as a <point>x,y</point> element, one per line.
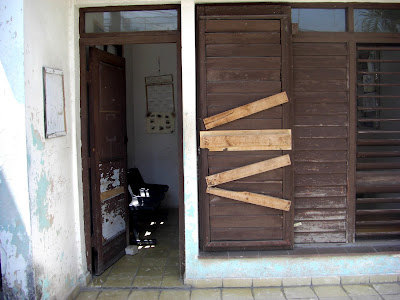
<point>243,59</point>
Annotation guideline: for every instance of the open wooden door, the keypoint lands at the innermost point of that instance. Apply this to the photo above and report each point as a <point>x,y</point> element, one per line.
<point>108,157</point>
<point>243,57</point>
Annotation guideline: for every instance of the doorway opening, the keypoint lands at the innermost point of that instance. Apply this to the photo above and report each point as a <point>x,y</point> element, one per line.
<point>136,126</point>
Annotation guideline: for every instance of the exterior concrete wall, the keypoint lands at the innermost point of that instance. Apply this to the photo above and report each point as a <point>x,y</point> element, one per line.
<point>239,268</point>
<point>58,260</point>
<point>15,226</point>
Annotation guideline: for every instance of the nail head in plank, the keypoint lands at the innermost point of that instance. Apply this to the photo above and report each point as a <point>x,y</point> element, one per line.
<point>249,170</point>
<point>245,110</point>
<point>257,199</point>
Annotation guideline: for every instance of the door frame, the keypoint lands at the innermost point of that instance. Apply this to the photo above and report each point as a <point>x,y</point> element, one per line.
<point>125,38</point>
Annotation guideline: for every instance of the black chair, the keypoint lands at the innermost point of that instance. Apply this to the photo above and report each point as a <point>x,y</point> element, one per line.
<point>145,199</point>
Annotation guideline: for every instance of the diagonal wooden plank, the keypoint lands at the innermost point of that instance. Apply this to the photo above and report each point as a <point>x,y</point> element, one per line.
<point>249,170</point>
<point>246,140</point>
<point>245,110</point>
<point>257,199</point>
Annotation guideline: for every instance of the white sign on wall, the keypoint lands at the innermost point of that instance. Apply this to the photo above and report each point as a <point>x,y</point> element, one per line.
<point>54,102</point>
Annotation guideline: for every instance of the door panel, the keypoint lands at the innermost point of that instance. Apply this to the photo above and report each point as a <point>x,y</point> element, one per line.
<point>241,61</point>
<point>108,157</point>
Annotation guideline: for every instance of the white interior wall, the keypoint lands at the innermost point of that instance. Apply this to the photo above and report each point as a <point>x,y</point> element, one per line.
<point>156,155</point>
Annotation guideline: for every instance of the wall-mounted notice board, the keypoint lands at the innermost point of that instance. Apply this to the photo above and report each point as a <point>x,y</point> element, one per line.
<point>54,103</point>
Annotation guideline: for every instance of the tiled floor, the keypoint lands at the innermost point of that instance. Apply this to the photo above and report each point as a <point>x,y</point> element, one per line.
<point>153,273</point>
<point>386,291</point>
<point>154,266</point>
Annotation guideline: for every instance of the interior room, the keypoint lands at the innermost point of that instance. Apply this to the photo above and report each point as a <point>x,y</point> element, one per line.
<point>152,154</point>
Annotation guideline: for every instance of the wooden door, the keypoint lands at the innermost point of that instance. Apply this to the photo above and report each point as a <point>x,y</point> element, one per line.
<point>243,59</point>
<point>108,157</point>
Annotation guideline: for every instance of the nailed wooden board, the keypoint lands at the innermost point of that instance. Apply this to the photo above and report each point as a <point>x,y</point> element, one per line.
<point>252,198</point>
<point>249,170</point>
<point>246,140</point>
<point>245,110</point>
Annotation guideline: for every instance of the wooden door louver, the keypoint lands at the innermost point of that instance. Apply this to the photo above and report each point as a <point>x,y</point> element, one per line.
<point>244,129</point>
<point>247,140</point>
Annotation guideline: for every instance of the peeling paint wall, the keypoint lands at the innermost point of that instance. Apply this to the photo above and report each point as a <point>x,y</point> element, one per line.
<point>58,259</point>
<point>15,228</point>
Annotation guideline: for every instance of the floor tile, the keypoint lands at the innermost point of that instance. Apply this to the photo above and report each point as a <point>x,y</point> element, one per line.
<point>387,288</point>
<point>360,290</point>
<point>237,282</point>
<point>329,291</point>
<point>129,272</point>
<point>150,271</point>
<point>87,295</point>
<point>303,251</point>
<point>268,293</point>
<point>391,297</point>
<point>144,295</point>
<point>374,297</point>
<point>154,262</point>
<point>98,281</point>
<point>209,294</point>
<point>334,298</point>
<point>237,294</point>
<point>300,292</point>
<point>172,281</point>
<point>360,249</point>
<point>171,271</point>
<point>175,295</point>
<point>118,282</point>
<point>115,295</point>
<point>147,281</point>
<point>156,253</point>
<point>172,261</point>
<point>331,250</point>
<point>267,282</point>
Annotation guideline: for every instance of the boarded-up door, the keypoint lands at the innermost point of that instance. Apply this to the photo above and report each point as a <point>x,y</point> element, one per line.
<point>242,59</point>
<point>108,157</point>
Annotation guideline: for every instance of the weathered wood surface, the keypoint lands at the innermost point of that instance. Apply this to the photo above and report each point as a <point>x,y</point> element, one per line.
<point>243,63</point>
<point>274,113</point>
<point>250,124</point>
<point>320,141</point>
<point>319,237</point>
<point>242,10</point>
<point>252,50</point>
<point>247,234</point>
<point>245,110</point>
<point>246,221</point>
<point>265,87</point>
<point>243,75</point>
<point>252,198</point>
<point>249,170</point>
<point>243,25</point>
<point>243,38</point>
<point>267,188</point>
<point>111,193</point>
<point>240,64</point>
<point>227,207</point>
<point>246,140</point>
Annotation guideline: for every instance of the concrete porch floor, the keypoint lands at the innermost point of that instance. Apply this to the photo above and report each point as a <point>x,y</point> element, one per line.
<point>153,273</point>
